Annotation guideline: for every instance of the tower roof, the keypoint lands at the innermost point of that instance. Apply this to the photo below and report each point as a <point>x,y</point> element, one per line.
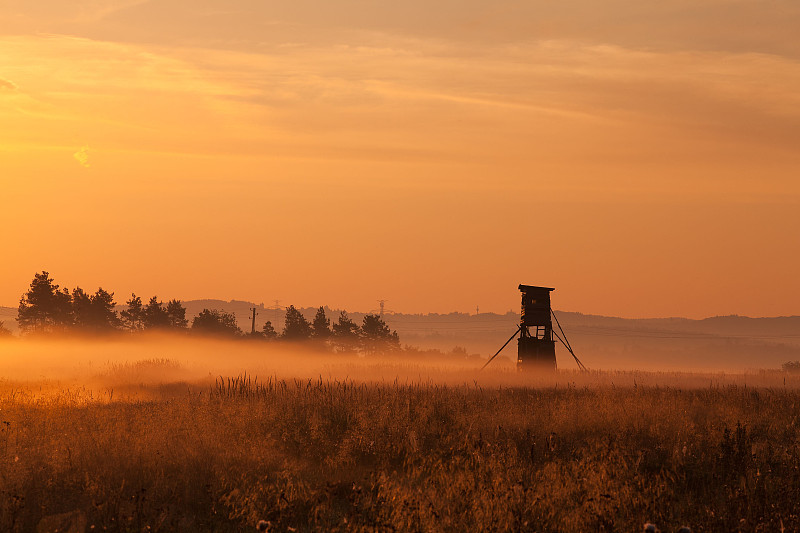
<point>526,288</point>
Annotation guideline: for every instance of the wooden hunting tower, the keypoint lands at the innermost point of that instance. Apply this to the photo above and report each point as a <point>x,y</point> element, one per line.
<point>536,344</point>
<point>536,347</point>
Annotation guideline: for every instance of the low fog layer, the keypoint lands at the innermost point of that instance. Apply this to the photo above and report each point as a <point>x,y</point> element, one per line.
<point>189,358</point>
<point>129,368</point>
<point>725,343</point>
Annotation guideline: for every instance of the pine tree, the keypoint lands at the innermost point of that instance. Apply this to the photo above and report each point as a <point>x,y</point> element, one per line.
<point>81,308</point>
<point>321,326</point>
<point>296,327</point>
<point>94,313</point>
<point>176,315</point>
<point>103,313</point>
<point>133,316</point>
<point>213,322</point>
<point>346,334</point>
<point>44,308</point>
<point>155,315</point>
<point>268,331</point>
<point>377,336</point>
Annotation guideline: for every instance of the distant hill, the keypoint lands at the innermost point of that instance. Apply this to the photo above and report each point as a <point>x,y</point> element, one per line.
<point>716,343</point>
<point>8,316</point>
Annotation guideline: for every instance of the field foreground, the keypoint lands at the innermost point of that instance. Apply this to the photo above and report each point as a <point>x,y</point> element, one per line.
<point>331,454</point>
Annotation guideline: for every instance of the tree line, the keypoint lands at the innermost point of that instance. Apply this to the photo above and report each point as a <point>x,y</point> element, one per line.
<point>46,308</point>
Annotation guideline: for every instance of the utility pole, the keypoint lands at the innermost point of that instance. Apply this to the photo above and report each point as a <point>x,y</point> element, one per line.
<point>253,330</point>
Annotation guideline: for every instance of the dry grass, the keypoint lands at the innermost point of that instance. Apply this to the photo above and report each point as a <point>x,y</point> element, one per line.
<point>579,454</point>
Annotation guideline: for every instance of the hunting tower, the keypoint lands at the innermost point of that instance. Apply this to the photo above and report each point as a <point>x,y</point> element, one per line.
<point>536,347</point>
<point>536,344</point>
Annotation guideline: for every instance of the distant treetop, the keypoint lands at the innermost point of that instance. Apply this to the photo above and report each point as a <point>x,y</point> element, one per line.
<point>46,308</point>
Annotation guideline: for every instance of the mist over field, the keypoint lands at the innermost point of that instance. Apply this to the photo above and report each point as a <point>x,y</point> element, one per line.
<point>134,368</point>
<point>717,344</point>
<point>157,358</point>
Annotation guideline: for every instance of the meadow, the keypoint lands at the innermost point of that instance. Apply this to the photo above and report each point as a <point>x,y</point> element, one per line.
<point>399,447</point>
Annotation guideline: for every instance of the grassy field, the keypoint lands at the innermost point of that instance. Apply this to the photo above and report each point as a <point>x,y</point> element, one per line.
<point>597,452</point>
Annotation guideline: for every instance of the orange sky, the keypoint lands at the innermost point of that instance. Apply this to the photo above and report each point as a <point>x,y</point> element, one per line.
<point>642,158</point>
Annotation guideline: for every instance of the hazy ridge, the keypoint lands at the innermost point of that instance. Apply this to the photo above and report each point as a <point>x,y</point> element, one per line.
<point>715,343</point>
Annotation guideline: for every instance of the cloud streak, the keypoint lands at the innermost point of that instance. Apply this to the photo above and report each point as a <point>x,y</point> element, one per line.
<point>547,101</point>
<point>82,156</point>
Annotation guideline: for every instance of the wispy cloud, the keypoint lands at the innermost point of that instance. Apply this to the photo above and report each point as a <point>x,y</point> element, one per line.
<point>82,156</point>
<point>562,103</point>
<point>6,85</point>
